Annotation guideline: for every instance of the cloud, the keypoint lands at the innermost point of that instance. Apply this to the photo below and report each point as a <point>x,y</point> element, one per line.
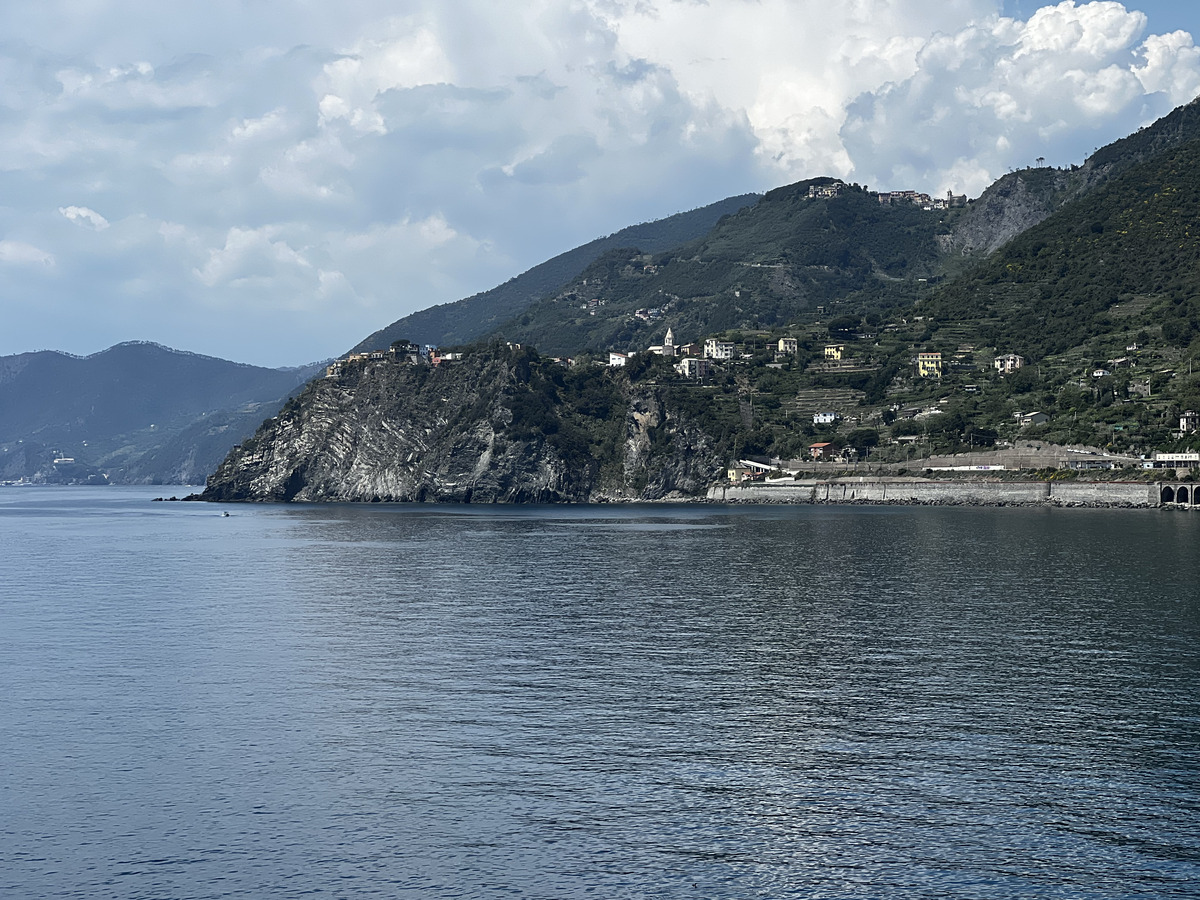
<point>20,253</point>
<point>81,215</point>
<point>317,171</point>
<point>251,255</point>
<point>996,95</point>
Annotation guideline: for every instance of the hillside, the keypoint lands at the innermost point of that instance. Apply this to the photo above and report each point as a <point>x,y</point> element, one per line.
<point>850,330</point>
<point>139,412</point>
<point>1121,258</point>
<point>472,317</point>
<point>740,263</point>
<point>789,257</point>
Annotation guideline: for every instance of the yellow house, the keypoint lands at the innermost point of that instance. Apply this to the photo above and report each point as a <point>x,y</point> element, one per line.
<point>834,352</point>
<point>929,365</point>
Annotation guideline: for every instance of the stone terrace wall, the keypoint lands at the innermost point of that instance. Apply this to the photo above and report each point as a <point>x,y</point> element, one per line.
<point>964,493</point>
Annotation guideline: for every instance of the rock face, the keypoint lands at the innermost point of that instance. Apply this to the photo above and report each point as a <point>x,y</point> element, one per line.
<point>1022,199</point>
<point>498,426</point>
<point>1015,203</point>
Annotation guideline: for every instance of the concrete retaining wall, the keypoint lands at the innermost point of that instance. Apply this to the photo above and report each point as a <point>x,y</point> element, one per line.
<point>966,493</point>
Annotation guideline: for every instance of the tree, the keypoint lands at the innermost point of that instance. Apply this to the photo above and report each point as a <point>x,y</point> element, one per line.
<point>843,325</point>
<point>863,439</point>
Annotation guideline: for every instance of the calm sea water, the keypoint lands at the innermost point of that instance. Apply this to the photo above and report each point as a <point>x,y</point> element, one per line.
<point>435,702</point>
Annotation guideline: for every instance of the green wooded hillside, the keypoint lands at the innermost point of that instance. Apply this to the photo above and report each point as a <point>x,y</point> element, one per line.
<point>776,262</point>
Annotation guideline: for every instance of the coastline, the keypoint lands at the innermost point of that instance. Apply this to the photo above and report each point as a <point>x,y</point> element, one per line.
<point>905,491</point>
<point>920,492</point>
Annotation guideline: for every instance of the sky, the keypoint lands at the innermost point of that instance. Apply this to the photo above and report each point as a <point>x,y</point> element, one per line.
<point>271,181</point>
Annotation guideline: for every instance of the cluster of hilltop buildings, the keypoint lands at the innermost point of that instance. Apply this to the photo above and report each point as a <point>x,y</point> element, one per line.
<point>400,352</point>
<point>695,360</point>
<point>950,201</point>
<point>889,198</point>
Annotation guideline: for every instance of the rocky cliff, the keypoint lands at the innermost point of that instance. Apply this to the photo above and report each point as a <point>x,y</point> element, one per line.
<point>498,426</point>
<point>1015,203</point>
<point>1020,200</point>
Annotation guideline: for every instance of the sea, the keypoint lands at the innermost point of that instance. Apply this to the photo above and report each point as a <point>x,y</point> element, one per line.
<point>626,701</point>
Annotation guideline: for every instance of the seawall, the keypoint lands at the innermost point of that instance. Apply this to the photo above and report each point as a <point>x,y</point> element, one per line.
<point>956,493</point>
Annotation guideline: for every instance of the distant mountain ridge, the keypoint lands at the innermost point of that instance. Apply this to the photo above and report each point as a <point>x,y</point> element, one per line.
<point>472,317</point>
<point>121,410</point>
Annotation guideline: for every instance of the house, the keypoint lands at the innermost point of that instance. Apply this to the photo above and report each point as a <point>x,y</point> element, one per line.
<point>886,198</point>
<point>929,364</point>
<point>788,345</point>
<point>400,351</point>
<point>1008,363</point>
<point>617,360</point>
<point>824,418</point>
<point>714,349</point>
<point>693,367</point>
<point>1031,418</point>
<point>1100,373</point>
<point>1189,422</point>
<point>825,191</point>
<point>822,450</point>
<point>835,352</point>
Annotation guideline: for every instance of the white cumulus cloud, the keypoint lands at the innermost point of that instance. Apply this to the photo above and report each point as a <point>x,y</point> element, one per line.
<point>999,94</point>
<point>81,215</point>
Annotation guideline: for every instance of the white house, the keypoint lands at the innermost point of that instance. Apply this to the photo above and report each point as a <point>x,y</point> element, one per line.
<point>1008,363</point>
<point>714,349</point>
<point>617,360</point>
<point>824,418</point>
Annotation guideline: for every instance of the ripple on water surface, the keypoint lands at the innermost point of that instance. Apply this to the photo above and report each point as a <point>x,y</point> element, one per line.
<point>614,702</point>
